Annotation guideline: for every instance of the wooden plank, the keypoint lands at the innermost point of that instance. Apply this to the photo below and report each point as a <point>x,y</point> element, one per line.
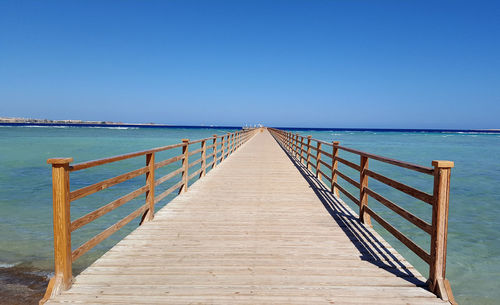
<point>194,152</point>
<point>195,174</point>
<point>347,178</point>
<point>93,163</point>
<point>349,195</point>
<point>106,233</point>
<point>168,191</point>
<point>325,164</point>
<point>169,176</point>
<point>195,162</point>
<point>326,153</point>
<point>99,186</point>
<point>415,167</point>
<point>348,163</point>
<point>400,236</point>
<point>402,187</point>
<point>402,212</point>
<point>80,222</point>
<point>325,175</point>
<point>168,161</point>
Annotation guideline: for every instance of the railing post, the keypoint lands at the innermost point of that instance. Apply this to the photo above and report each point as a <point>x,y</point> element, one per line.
<point>297,146</point>
<point>203,158</point>
<point>308,158</point>
<point>150,182</point>
<point>232,142</point>
<point>222,149</point>
<point>228,144</point>
<point>318,158</point>
<point>63,275</point>
<point>185,165</point>
<point>437,269</point>
<point>335,165</point>
<point>301,148</point>
<point>215,151</point>
<point>363,196</point>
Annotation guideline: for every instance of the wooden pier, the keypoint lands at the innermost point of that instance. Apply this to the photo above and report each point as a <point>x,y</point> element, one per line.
<point>261,227</point>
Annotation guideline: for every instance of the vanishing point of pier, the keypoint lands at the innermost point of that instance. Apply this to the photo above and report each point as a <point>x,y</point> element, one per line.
<point>263,224</point>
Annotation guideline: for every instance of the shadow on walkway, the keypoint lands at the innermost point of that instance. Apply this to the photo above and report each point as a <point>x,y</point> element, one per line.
<point>370,247</point>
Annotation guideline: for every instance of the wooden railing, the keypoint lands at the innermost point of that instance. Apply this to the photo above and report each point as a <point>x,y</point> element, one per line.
<point>216,148</point>
<point>302,149</point>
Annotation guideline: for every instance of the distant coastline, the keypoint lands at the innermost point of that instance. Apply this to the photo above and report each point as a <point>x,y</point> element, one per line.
<point>80,123</point>
<point>394,129</point>
<point>4,121</point>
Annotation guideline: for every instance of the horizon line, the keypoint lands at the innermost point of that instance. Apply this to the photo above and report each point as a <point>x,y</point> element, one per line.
<point>154,125</point>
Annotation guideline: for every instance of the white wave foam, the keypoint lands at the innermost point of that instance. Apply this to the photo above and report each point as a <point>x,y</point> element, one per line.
<point>6,265</point>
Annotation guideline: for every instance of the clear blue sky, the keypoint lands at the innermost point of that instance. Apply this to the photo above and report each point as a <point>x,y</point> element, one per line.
<point>408,64</point>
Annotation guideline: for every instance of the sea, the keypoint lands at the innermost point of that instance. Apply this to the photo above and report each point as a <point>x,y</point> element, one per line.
<point>26,245</point>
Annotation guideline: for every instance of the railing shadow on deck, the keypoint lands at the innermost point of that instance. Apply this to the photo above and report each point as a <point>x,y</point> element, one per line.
<point>370,248</point>
<point>299,149</point>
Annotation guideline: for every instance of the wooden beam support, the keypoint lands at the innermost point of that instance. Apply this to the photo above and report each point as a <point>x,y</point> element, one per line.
<point>363,196</point>
<point>203,158</point>
<point>214,164</point>
<point>308,153</point>
<point>63,275</point>
<point>150,182</point>
<point>185,165</point>
<point>222,149</point>
<point>335,165</point>
<point>318,160</point>
<point>441,194</point>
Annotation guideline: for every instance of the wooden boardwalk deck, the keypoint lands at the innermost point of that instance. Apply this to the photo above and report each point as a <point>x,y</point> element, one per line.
<point>258,229</point>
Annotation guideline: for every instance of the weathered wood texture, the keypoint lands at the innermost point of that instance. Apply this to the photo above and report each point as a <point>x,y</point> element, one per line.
<point>256,230</point>
<point>439,201</point>
<point>62,196</point>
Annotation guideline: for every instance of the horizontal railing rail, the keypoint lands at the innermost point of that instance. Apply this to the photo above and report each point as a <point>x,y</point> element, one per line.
<point>303,149</point>
<point>216,148</point>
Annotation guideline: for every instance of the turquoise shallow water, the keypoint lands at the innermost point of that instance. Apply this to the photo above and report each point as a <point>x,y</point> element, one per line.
<point>474,225</point>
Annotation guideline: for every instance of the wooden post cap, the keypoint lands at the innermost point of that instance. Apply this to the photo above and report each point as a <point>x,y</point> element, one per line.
<point>185,140</point>
<point>336,143</point>
<point>215,136</point>
<point>309,137</point>
<point>442,163</point>
<point>59,160</point>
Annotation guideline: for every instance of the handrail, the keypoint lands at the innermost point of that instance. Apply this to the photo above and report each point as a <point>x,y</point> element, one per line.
<point>88,164</point>
<point>438,230</point>
<point>63,196</point>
